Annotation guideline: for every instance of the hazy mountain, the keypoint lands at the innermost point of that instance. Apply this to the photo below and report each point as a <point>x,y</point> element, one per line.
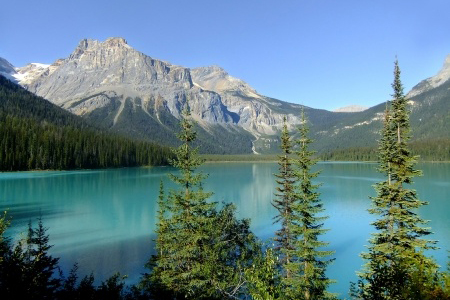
<point>7,69</point>
<point>433,82</point>
<point>115,86</point>
<point>429,102</point>
<point>351,108</point>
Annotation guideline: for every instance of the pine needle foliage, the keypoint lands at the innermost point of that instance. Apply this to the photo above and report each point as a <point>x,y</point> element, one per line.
<point>284,201</point>
<point>395,256</point>
<point>201,251</point>
<point>303,261</point>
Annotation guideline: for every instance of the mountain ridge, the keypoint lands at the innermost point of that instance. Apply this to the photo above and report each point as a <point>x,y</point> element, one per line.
<point>118,87</point>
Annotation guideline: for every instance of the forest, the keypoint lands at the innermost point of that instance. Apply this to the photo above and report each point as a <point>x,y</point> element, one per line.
<point>37,135</point>
<point>203,251</point>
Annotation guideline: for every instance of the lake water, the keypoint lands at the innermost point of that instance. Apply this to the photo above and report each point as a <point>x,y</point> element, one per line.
<point>104,219</point>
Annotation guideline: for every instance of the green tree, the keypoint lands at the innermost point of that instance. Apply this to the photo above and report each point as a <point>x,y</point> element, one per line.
<point>309,280</point>
<point>283,203</point>
<point>201,252</point>
<point>264,280</point>
<point>396,267</point>
<point>28,271</point>
<point>4,242</point>
<point>303,261</point>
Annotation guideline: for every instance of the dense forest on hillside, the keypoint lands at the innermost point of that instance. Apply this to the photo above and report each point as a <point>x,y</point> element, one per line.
<point>428,150</point>
<point>35,134</point>
<point>160,126</point>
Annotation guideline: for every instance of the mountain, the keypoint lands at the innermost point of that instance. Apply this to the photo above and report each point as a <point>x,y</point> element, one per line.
<point>433,82</point>
<point>7,69</point>
<point>351,108</point>
<point>117,87</point>
<point>36,134</point>
<point>429,103</point>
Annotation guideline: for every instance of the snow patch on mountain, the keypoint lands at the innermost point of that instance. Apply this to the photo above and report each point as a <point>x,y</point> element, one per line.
<point>30,72</point>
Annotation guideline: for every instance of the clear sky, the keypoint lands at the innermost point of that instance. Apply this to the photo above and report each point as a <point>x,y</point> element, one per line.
<point>321,53</point>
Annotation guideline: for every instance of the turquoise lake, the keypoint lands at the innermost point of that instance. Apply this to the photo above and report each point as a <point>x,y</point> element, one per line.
<point>104,219</point>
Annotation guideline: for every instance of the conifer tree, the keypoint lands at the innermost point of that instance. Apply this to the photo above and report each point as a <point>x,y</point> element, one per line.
<point>309,281</point>
<point>396,249</point>
<point>283,203</point>
<point>28,270</point>
<point>303,262</point>
<point>202,252</point>
<point>4,242</point>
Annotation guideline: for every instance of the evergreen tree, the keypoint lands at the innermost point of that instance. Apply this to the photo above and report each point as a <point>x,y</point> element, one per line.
<point>201,252</point>
<point>302,262</point>
<point>309,280</point>
<point>4,242</point>
<point>395,258</point>
<point>283,203</point>
<point>28,271</point>
<point>264,280</point>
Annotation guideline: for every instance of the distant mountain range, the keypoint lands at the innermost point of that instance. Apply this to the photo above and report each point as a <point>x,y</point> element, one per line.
<point>114,86</point>
<point>351,108</point>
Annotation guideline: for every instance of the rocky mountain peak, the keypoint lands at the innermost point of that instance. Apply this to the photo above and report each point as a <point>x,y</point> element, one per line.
<point>115,41</point>
<point>112,44</point>
<point>215,78</point>
<point>95,67</point>
<point>430,83</point>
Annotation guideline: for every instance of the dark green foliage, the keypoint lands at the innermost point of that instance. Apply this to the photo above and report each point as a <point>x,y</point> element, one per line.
<point>427,150</point>
<point>396,266</point>
<point>308,280</point>
<point>201,252</point>
<point>4,242</point>
<point>264,280</point>
<point>35,134</point>
<point>302,260</point>
<point>28,271</point>
<point>284,202</point>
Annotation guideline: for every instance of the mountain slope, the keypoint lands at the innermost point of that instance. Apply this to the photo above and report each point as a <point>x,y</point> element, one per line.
<point>430,118</point>
<point>36,134</point>
<point>433,82</point>
<point>116,87</point>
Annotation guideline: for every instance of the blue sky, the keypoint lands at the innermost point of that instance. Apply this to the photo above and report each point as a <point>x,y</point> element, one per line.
<point>320,53</point>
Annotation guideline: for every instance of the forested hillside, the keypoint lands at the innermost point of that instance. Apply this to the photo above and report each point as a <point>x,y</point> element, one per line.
<point>35,134</point>
<point>428,150</point>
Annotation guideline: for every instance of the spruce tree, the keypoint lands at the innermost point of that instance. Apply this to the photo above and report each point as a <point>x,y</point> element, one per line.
<point>396,249</point>
<point>4,241</point>
<point>201,252</point>
<point>309,281</point>
<point>28,270</point>
<point>303,263</point>
<point>283,203</point>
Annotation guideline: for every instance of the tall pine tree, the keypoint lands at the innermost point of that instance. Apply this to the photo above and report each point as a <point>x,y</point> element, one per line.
<point>201,252</point>
<point>283,203</point>
<point>303,260</point>
<point>395,257</point>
